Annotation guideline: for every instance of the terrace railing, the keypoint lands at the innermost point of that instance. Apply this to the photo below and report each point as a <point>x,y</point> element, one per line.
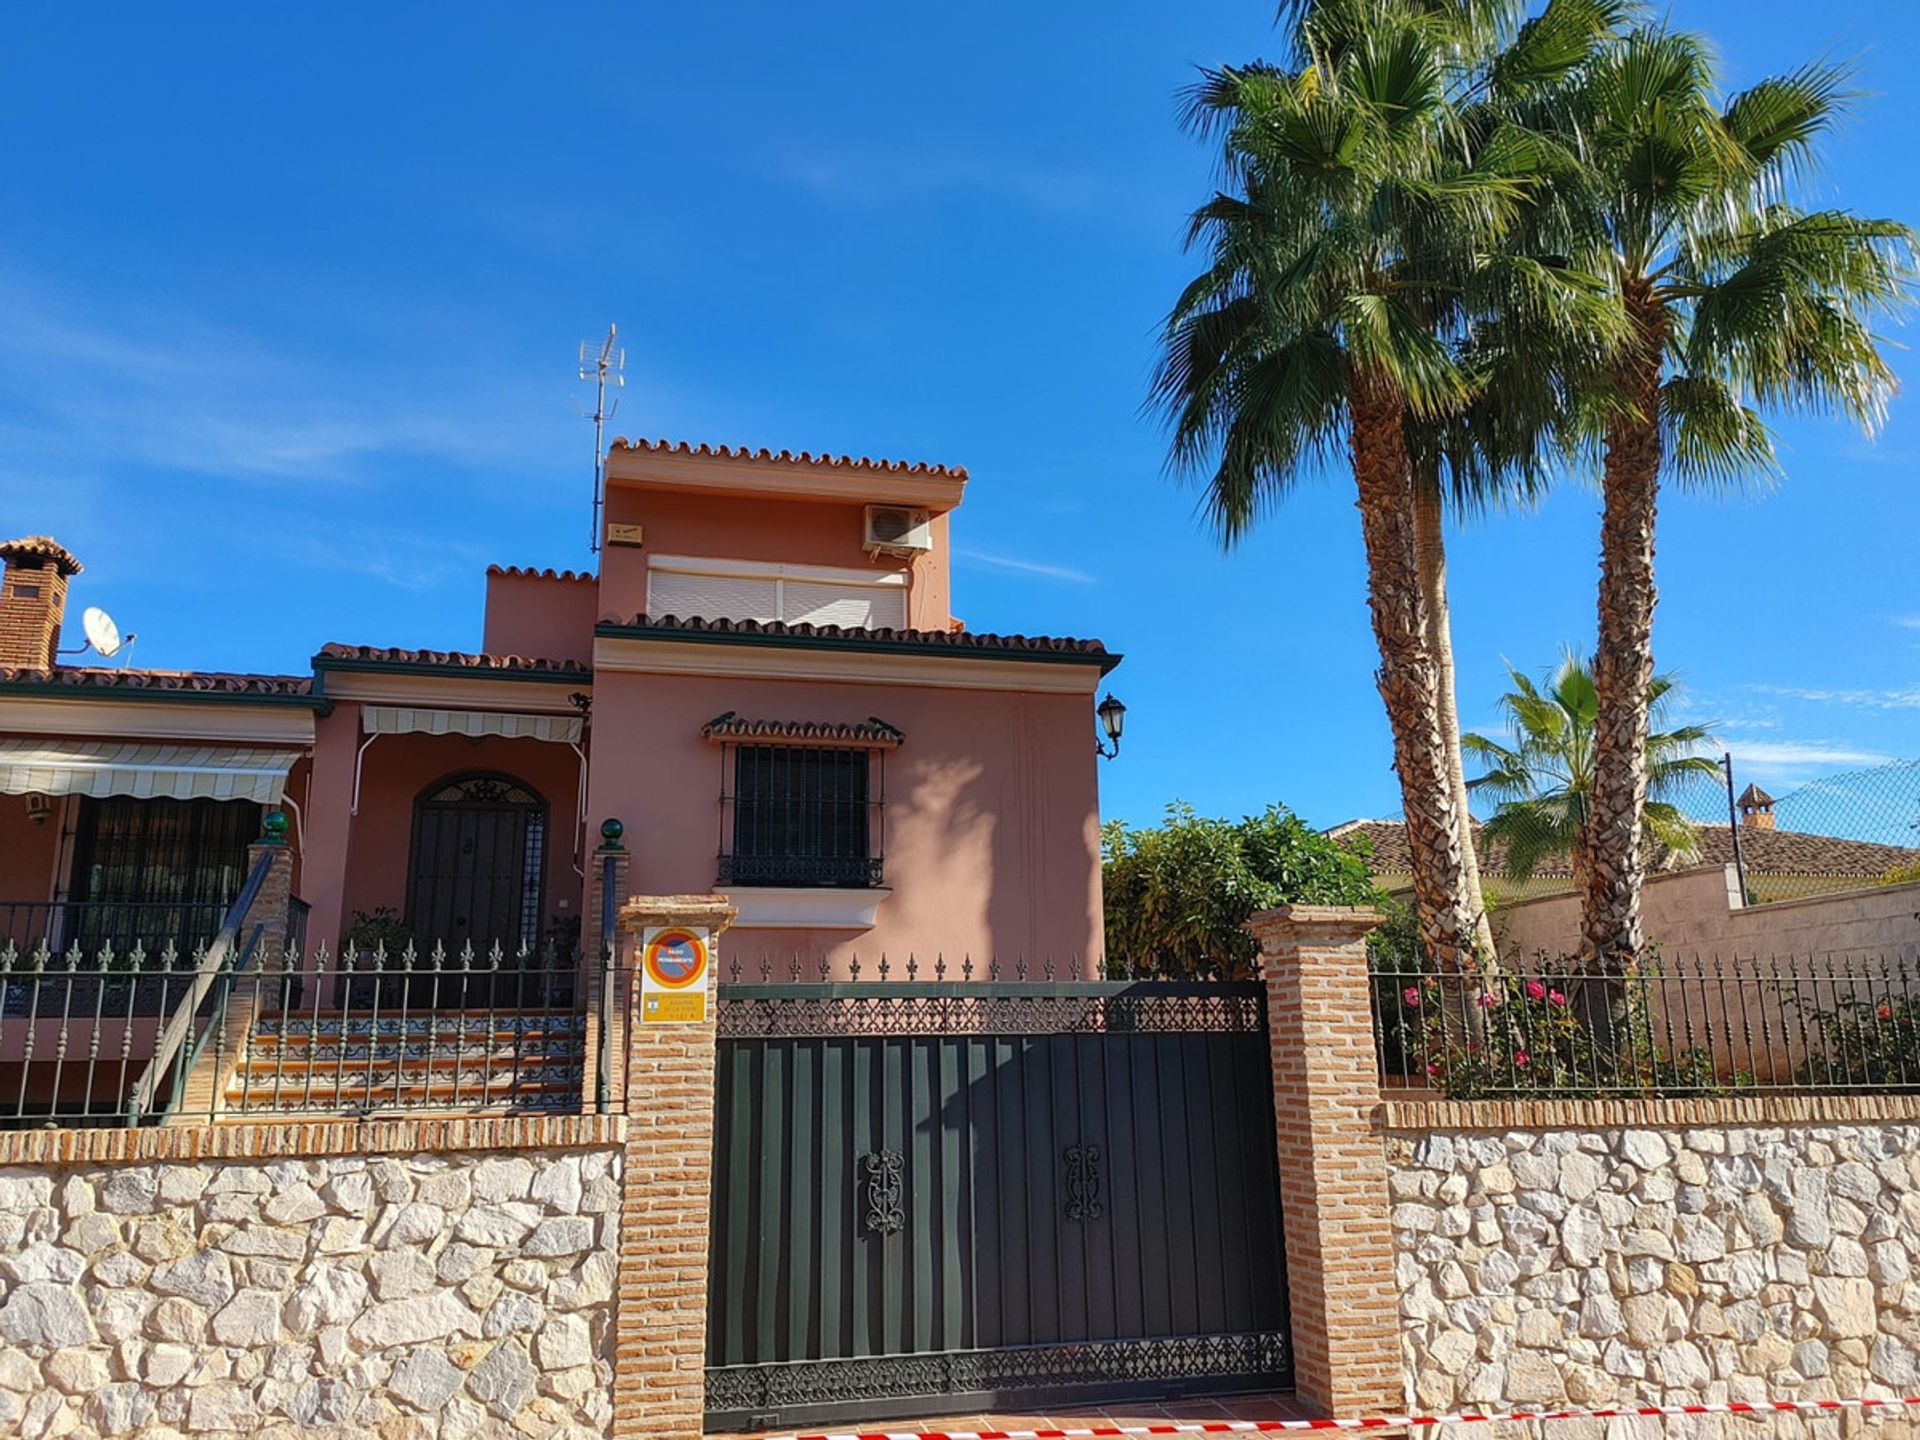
<point>1669,1026</point>
<point>378,1032</point>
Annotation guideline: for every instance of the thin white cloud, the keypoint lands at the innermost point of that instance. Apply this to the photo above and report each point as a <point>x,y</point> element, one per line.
<point>1907,622</point>
<point>848,176</point>
<point>1801,754</point>
<point>404,562</point>
<point>1900,698</point>
<point>1023,567</point>
<point>174,391</point>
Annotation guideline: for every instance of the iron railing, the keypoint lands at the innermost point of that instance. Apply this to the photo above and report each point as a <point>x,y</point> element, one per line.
<point>121,926</point>
<point>377,1032</point>
<point>1671,1026</point>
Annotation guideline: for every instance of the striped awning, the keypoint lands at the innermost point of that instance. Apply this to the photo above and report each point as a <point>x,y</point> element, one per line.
<point>406,720</point>
<point>168,772</point>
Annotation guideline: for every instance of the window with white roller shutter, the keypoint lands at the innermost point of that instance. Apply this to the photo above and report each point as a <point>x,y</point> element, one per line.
<point>711,597</point>
<point>698,588</point>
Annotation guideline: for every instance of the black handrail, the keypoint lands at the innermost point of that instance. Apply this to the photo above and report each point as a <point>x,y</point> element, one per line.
<point>140,1101</point>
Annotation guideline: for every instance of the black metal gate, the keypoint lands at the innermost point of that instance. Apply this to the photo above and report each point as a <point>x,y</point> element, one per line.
<point>936,1196</point>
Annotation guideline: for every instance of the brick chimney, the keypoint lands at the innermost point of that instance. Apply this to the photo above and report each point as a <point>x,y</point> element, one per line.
<point>33,600</point>
<point>1756,808</point>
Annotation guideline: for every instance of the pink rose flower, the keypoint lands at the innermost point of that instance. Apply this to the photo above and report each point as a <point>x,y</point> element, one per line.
<point>1535,990</point>
<point>1412,996</point>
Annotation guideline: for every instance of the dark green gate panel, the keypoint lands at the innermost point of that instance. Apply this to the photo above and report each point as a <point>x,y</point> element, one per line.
<point>940,1196</point>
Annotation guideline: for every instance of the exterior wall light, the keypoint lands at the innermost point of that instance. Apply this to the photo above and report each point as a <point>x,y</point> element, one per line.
<point>1113,719</point>
<point>39,807</point>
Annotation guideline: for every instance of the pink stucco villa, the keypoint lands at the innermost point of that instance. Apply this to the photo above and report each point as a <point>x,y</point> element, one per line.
<point>765,683</point>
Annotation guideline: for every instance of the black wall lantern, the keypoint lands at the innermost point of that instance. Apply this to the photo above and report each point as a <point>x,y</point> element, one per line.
<point>1113,719</point>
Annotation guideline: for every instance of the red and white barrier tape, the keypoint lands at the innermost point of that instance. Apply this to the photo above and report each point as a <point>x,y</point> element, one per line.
<point>1371,1422</point>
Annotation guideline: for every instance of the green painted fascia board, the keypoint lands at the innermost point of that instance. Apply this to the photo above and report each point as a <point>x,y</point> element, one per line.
<point>44,690</point>
<point>322,664</point>
<point>1105,659</point>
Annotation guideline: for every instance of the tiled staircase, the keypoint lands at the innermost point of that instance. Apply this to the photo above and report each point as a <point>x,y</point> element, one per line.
<point>477,1061</point>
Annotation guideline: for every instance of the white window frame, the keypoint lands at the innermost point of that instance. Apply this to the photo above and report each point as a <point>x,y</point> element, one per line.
<point>776,572</point>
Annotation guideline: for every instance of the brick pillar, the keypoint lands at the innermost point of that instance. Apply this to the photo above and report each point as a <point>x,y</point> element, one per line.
<point>1333,1171</point>
<point>272,907</point>
<point>592,936</point>
<point>660,1326</point>
<point>204,1092</point>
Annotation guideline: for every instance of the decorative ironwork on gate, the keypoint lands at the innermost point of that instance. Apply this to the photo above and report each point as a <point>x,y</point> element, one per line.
<point>884,1169</point>
<point>949,1194</point>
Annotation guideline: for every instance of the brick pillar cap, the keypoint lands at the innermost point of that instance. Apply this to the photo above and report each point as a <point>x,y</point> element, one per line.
<point>1313,922</point>
<point>715,912</point>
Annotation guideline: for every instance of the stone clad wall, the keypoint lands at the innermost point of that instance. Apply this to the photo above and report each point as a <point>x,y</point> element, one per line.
<point>424,1295</point>
<point>1667,1264</point>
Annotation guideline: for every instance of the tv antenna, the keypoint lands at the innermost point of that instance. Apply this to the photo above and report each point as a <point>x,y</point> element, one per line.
<point>604,364</point>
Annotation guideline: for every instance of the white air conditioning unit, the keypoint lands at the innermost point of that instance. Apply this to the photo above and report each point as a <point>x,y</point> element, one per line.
<point>896,530</point>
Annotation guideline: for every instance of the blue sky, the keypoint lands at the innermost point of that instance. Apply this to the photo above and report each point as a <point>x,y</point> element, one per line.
<point>291,299</point>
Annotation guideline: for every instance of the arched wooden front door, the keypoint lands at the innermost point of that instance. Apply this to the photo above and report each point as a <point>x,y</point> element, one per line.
<point>478,869</point>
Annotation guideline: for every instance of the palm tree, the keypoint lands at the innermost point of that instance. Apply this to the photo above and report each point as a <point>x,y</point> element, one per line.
<point>1300,340</point>
<point>1542,777</point>
<point>1734,301</point>
<point>1368,190</point>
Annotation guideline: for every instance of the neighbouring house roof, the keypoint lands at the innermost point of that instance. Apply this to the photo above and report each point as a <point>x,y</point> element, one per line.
<point>1754,795</point>
<point>442,662</point>
<point>41,549</point>
<point>82,681</point>
<point>962,643</point>
<point>528,573</point>
<point>873,733</point>
<point>1766,852</point>
<point>790,457</point>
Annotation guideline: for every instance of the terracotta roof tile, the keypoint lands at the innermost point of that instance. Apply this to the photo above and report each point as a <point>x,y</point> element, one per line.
<point>43,549</point>
<point>347,655</point>
<point>964,640</point>
<point>524,572</point>
<point>790,457</point>
<point>871,733</point>
<point>82,677</point>
<point>1767,852</point>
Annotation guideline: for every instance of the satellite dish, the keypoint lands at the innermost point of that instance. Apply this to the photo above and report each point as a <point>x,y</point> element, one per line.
<point>102,633</point>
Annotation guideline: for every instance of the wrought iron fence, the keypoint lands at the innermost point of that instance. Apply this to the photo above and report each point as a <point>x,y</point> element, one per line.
<point>372,1032</point>
<point>119,926</point>
<point>367,1032</point>
<point>1672,1026</point>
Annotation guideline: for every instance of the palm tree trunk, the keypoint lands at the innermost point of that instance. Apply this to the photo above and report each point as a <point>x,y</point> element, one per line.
<point>1623,659</point>
<point>1408,679</point>
<point>1430,550</point>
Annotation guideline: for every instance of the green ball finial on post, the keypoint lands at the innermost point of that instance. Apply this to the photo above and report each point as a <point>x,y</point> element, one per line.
<point>610,832</point>
<point>273,828</point>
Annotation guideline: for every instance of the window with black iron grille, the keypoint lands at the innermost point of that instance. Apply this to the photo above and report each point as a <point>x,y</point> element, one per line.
<point>801,816</point>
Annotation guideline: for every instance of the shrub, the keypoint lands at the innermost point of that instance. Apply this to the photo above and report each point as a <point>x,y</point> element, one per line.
<point>1514,1033</point>
<point>1873,1042</point>
<point>1179,894</point>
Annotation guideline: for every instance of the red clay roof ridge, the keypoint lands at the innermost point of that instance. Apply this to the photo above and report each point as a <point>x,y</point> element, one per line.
<point>208,681</point>
<point>528,572</point>
<point>451,659</point>
<point>789,457</point>
<point>933,639</point>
